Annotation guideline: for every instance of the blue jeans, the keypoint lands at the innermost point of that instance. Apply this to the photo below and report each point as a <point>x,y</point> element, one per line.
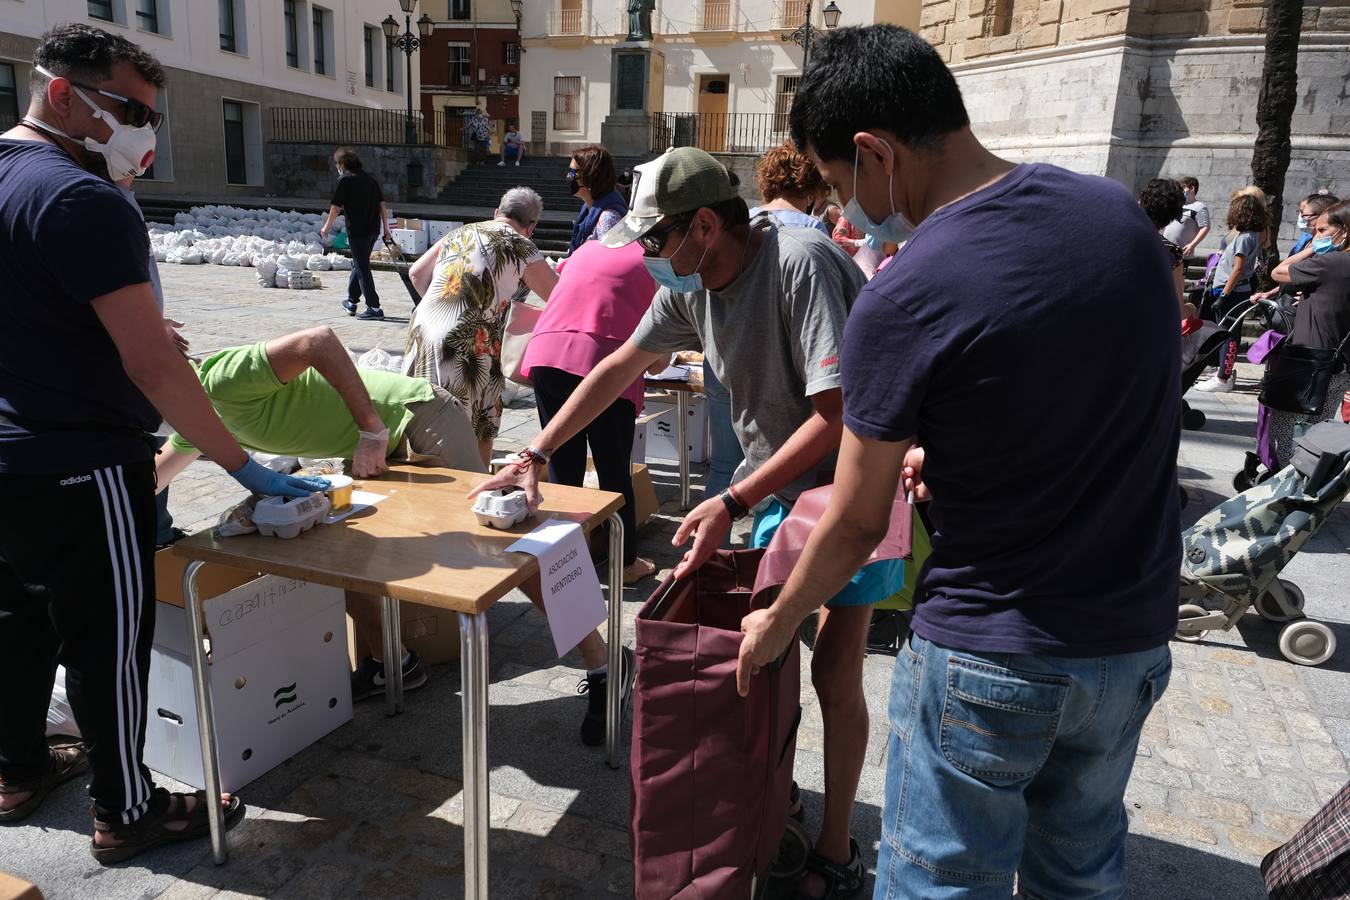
<point>1001,764</point>
<point>725,454</point>
<point>362,280</point>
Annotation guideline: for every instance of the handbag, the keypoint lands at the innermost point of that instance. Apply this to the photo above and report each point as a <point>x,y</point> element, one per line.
<point>521,318</point>
<point>1297,377</point>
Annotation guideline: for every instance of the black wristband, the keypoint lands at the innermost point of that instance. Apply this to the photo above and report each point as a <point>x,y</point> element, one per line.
<point>734,507</point>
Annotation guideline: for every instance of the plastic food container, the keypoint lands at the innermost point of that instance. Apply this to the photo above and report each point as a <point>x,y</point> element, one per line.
<point>286,517</point>
<point>339,491</point>
<point>501,509</point>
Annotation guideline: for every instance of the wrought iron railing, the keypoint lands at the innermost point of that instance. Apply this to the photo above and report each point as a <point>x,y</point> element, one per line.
<point>566,22</point>
<point>719,132</point>
<point>343,125</point>
<point>714,15</point>
<point>450,128</point>
<point>789,14</point>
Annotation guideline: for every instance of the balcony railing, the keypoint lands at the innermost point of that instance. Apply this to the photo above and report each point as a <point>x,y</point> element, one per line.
<point>343,125</point>
<point>789,14</point>
<point>719,132</point>
<point>566,22</point>
<point>714,15</point>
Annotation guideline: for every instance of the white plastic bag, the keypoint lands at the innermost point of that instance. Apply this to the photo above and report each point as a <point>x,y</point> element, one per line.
<point>60,717</point>
<point>317,262</point>
<point>267,273</point>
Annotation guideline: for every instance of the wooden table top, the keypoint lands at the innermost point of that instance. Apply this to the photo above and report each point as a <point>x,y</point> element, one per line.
<point>421,544</point>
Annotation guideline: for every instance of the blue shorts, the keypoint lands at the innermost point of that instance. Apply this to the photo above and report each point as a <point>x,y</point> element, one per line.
<point>511,151</point>
<point>870,584</point>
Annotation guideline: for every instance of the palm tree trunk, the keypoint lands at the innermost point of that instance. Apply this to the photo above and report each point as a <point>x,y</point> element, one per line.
<point>1279,95</point>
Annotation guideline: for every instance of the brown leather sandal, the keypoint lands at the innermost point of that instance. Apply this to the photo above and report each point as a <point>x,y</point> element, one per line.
<point>167,821</point>
<point>68,760</point>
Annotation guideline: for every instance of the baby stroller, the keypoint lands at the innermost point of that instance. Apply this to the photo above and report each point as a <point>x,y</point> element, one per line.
<point>1232,558</point>
<point>1200,348</point>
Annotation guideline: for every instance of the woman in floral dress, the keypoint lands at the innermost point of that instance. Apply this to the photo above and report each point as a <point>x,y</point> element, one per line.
<point>467,280</point>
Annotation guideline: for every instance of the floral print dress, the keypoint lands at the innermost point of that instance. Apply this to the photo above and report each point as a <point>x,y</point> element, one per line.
<point>455,335</point>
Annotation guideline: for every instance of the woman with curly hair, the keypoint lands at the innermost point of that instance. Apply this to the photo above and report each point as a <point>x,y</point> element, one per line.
<point>1162,201</point>
<point>1233,276</point>
<point>792,188</point>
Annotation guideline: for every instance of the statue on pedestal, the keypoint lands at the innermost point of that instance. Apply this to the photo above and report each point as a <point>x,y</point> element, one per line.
<point>640,19</point>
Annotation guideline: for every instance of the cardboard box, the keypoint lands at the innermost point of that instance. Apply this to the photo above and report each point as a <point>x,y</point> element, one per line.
<point>12,888</point>
<point>212,579</point>
<point>278,674</point>
<point>432,632</point>
<point>438,230</point>
<point>644,492</point>
<point>410,241</point>
<point>658,430</point>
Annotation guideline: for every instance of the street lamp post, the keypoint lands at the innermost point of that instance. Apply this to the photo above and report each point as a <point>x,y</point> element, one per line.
<point>409,43</point>
<point>801,36</point>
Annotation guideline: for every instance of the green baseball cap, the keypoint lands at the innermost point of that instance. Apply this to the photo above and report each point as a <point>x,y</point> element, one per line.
<point>679,181</point>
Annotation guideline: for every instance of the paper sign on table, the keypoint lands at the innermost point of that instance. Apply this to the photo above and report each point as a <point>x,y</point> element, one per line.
<point>360,500</point>
<point>672,373</point>
<point>571,589</point>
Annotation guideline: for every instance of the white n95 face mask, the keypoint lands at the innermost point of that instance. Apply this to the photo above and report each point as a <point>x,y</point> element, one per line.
<point>127,153</point>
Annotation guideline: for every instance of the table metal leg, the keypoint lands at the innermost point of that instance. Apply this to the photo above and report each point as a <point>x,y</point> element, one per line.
<point>390,623</point>
<point>615,681</point>
<point>206,723</point>
<point>473,674</point>
<point>682,407</point>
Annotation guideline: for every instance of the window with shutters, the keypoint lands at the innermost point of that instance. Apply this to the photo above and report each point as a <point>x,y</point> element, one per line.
<point>782,103</point>
<point>567,103</point>
<point>460,75</point>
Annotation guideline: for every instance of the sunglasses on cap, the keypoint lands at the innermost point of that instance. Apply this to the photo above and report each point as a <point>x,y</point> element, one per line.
<point>138,115</point>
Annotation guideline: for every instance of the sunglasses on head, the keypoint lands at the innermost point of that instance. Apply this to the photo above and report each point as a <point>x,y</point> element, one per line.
<point>138,115</point>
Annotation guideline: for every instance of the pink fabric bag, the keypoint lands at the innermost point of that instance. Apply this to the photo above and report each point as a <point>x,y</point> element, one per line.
<point>711,771</point>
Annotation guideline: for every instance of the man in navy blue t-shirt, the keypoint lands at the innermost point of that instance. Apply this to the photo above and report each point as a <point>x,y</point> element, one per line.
<point>86,370</point>
<point>1049,454</point>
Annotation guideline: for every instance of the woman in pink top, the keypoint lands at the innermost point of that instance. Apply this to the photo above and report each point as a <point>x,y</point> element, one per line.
<point>601,295</point>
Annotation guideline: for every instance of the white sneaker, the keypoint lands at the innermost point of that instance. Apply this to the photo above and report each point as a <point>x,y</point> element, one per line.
<point>502,163</point>
<point>517,164</point>
<point>1212,385</point>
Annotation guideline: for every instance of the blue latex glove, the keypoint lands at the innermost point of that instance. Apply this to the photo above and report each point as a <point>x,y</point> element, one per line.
<point>262,480</point>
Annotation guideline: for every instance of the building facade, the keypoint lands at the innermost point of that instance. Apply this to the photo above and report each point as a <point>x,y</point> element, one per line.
<point>724,60</point>
<point>241,73</point>
<point>471,60</point>
<point>1135,89</point>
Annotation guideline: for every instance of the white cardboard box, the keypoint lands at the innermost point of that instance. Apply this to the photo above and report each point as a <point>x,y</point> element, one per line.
<point>278,673</point>
<point>410,240</point>
<point>656,438</point>
<point>438,230</point>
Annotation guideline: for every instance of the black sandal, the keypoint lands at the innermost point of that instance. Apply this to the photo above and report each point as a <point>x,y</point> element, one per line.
<point>795,808</point>
<point>155,827</point>
<point>67,761</point>
<point>840,881</point>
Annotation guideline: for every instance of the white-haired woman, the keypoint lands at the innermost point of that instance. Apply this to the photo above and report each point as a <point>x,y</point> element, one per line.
<point>466,281</point>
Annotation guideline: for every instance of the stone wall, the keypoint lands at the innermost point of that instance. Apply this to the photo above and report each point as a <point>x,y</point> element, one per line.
<point>306,170</point>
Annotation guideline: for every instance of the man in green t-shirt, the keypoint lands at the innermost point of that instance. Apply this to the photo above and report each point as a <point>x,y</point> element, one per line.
<point>301,395</point>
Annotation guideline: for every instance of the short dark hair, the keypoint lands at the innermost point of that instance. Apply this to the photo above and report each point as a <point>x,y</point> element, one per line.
<point>1189,181</point>
<point>874,77</point>
<point>1162,201</point>
<point>595,168</point>
<point>1320,203</point>
<point>1246,213</point>
<point>85,53</point>
<point>733,213</point>
<point>347,158</point>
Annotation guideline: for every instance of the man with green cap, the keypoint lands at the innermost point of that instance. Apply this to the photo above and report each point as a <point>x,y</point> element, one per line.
<point>767,306</point>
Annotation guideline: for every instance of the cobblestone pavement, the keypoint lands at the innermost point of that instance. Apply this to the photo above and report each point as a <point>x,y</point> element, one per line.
<point>1241,750</point>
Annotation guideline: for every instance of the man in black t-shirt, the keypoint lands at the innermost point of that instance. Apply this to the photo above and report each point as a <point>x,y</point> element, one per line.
<point>86,371</point>
<point>359,198</point>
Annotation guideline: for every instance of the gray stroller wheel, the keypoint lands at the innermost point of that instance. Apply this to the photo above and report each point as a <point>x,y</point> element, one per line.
<point>1190,611</point>
<point>1282,602</point>
<point>1307,643</point>
<point>793,849</point>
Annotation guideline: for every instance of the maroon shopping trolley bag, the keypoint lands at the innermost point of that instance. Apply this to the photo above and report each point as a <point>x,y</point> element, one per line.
<point>712,770</point>
<point>1315,864</point>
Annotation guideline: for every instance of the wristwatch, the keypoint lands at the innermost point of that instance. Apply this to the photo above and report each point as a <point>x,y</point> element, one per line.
<point>735,508</point>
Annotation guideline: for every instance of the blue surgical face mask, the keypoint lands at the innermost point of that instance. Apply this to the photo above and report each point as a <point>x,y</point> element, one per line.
<point>895,228</point>
<point>663,271</point>
<point>1302,223</point>
<point>1323,245</point>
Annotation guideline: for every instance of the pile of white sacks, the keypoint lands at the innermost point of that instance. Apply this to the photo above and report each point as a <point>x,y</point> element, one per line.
<point>275,244</point>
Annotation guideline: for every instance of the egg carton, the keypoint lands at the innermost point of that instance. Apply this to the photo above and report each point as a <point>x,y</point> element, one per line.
<point>501,509</point>
<point>287,517</point>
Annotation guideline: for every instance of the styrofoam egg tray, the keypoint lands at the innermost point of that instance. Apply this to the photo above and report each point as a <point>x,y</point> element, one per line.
<point>501,509</point>
<point>286,517</point>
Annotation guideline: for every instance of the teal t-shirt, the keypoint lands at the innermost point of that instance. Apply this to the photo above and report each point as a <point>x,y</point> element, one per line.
<point>303,417</point>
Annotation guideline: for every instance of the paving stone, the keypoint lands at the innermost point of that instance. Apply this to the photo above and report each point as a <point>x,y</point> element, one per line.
<point>187,890</point>
<point>1321,757</point>
<point>1183,759</point>
<point>1282,823</point>
<point>1276,757</point>
<point>1140,793</point>
<point>1228,787</point>
<point>1234,657</point>
<point>1238,762</point>
<point>1203,806</point>
<point>1291,792</point>
<point>1306,726</point>
<point>1216,705</point>
<point>1269,731</point>
<point>1251,843</point>
<point>1169,826</point>
<point>1161,773</point>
